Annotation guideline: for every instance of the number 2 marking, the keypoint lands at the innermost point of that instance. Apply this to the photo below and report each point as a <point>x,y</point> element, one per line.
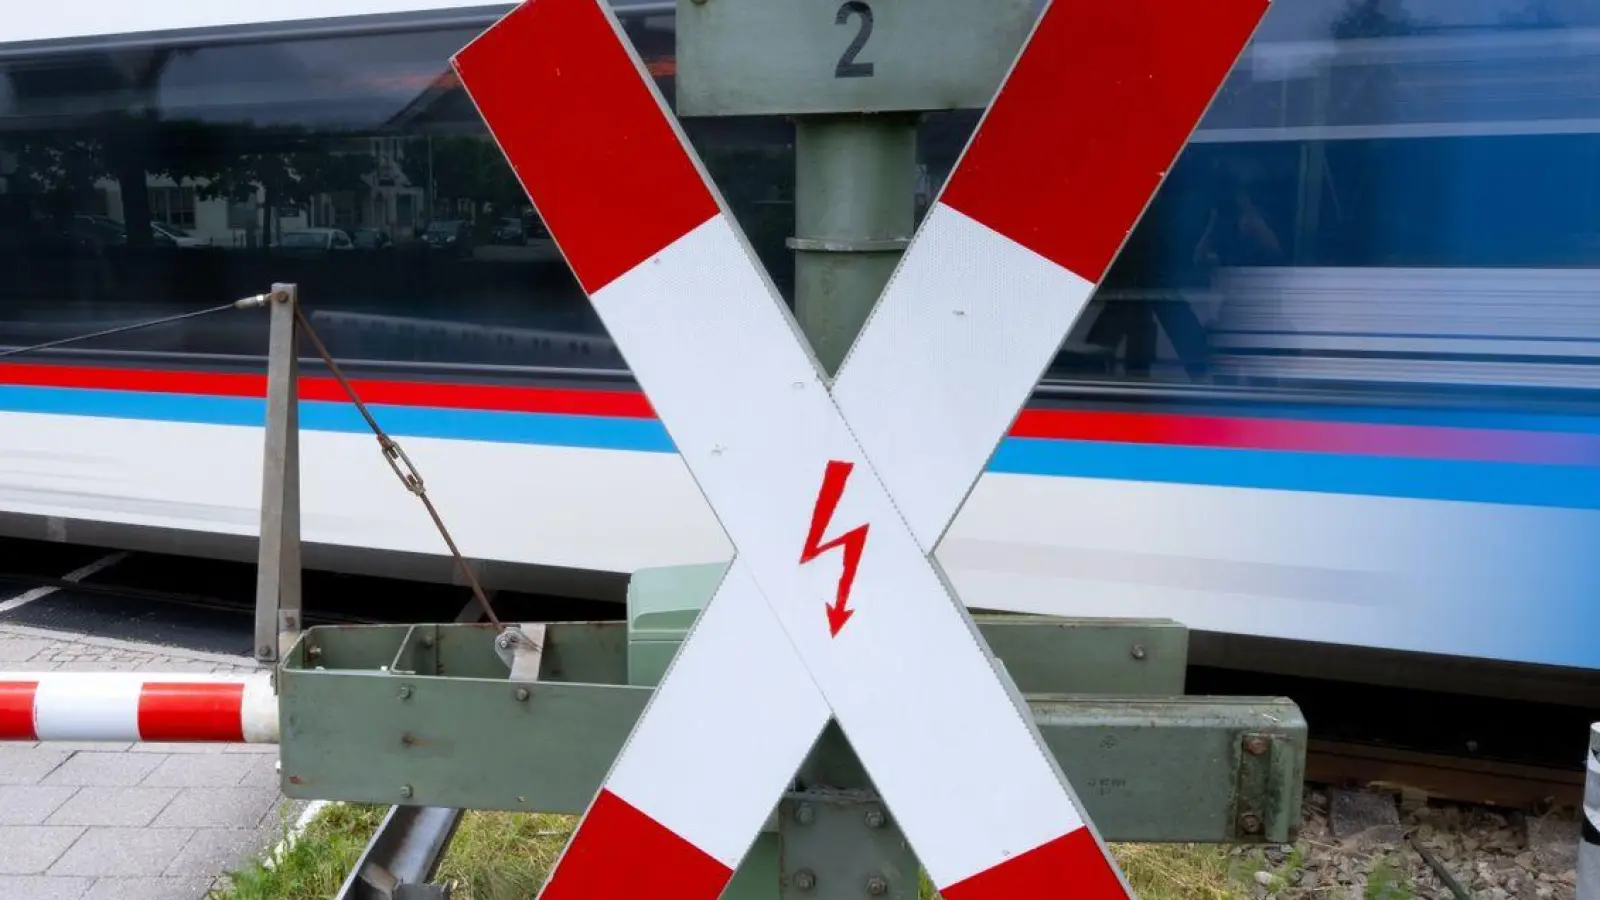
<point>848,67</point>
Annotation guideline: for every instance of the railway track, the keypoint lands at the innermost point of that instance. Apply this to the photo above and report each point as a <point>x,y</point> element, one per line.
<point>1439,776</point>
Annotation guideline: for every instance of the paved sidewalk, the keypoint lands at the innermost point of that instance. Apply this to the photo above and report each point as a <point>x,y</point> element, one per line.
<point>129,821</point>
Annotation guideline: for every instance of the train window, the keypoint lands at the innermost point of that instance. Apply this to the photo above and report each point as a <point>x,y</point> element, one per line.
<point>138,183</point>
<point>1387,195</point>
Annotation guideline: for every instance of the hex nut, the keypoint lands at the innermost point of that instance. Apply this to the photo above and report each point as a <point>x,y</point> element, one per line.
<point>1250,823</point>
<point>804,880</point>
<point>522,694</point>
<point>804,814</point>
<point>1255,746</point>
<point>405,692</point>
<point>405,790</point>
<point>875,818</point>
<point>876,886</point>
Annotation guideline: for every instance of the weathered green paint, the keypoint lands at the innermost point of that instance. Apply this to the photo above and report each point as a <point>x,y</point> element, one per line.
<point>782,57</point>
<point>855,208</point>
<point>1150,768</point>
<point>832,842</point>
<point>1043,655</point>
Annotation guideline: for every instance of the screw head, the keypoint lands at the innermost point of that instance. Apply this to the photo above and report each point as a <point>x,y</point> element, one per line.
<point>805,880</point>
<point>1250,823</point>
<point>265,651</point>
<point>874,818</point>
<point>405,790</point>
<point>804,814</point>
<point>1255,746</point>
<point>405,692</point>
<point>521,694</point>
<point>876,886</point>
<point>1137,651</point>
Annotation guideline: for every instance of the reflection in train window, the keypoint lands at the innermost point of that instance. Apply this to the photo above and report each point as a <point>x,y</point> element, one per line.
<point>1386,194</point>
<point>148,182</point>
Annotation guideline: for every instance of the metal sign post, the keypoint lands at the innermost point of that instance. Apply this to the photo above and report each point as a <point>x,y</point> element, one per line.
<point>856,75</point>
<point>278,608</point>
<point>864,472</point>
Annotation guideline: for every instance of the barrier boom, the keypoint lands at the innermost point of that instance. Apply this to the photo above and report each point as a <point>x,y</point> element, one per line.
<point>137,707</point>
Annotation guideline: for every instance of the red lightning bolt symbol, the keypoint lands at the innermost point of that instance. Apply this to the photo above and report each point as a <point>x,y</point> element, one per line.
<point>853,541</point>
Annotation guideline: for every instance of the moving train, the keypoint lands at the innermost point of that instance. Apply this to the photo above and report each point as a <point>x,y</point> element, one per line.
<point>1339,388</point>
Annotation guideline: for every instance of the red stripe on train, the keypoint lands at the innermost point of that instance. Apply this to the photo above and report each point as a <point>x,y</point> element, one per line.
<point>626,404</point>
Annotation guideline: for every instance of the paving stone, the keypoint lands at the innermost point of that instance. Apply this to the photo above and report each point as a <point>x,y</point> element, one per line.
<point>30,804</point>
<point>14,649</point>
<point>216,770</point>
<point>123,851</point>
<point>217,808</point>
<point>91,746</point>
<point>264,773</point>
<point>184,665</point>
<point>104,770</point>
<point>30,765</point>
<point>44,887</point>
<point>170,749</point>
<point>148,889</point>
<point>31,850</point>
<point>1363,812</point>
<point>216,851</point>
<point>129,807</point>
<point>96,665</point>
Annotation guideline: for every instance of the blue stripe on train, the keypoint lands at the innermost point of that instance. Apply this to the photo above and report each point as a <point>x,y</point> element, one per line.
<point>1515,483</point>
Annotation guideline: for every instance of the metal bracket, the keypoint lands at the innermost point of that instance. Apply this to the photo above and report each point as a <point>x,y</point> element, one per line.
<point>1268,790</point>
<point>521,648</point>
<point>849,836</point>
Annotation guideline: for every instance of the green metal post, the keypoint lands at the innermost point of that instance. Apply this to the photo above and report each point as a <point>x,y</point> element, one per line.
<point>855,208</point>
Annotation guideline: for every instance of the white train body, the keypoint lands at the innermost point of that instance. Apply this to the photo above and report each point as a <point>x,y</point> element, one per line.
<point>1386,230</point>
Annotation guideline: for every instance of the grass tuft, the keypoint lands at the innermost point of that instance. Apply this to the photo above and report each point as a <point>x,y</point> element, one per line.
<point>501,856</point>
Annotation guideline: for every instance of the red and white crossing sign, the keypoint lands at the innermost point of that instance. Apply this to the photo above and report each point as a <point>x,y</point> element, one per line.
<point>835,493</point>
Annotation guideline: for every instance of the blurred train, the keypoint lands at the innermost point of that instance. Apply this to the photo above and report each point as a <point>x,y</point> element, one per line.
<point>1341,387</point>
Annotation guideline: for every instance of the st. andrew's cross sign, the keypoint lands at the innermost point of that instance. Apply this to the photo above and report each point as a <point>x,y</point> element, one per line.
<point>835,493</point>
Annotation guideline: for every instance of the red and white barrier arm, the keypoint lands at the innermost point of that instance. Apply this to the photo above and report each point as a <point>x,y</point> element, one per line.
<point>138,706</point>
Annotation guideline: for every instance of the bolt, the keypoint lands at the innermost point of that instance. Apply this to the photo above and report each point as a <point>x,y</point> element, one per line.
<point>804,814</point>
<point>876,886</point>
<point>804,880</point>
<point>427,640</point>
<point>874,818</point>
<point>405,791</point>
<point>1255,746</point>
<point>281,296</point>
<point>1137,652</point>
<point>405,692</point>
<point>1250,823</point>
<point>266,651</point>
<point>522,694</point>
